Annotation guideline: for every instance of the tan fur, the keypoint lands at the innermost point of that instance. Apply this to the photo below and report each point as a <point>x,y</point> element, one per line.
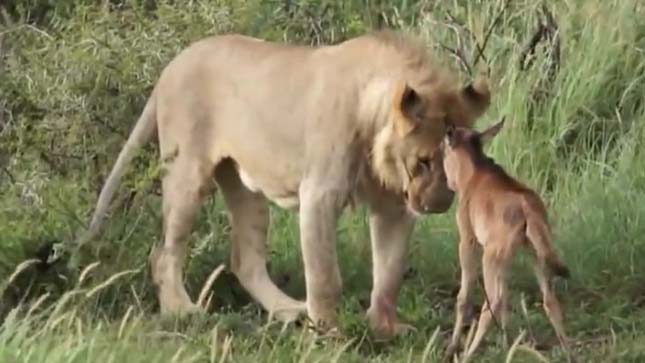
<point>310,129</point>
<point>502,215</point>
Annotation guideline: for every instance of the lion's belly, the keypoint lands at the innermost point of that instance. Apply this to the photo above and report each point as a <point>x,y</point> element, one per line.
<point>286,198</point>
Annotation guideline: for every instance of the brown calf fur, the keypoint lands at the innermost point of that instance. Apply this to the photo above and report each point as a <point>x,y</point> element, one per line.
<point>502,215</point>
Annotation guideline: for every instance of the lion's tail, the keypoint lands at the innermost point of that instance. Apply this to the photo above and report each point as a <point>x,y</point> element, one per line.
<point>143,131</point>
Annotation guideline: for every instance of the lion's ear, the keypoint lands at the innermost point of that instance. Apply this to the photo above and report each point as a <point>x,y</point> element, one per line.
<point>408,107</point>
<point>476,96</point>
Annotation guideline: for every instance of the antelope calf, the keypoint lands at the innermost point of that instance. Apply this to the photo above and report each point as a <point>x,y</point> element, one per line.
<point>502,215</point>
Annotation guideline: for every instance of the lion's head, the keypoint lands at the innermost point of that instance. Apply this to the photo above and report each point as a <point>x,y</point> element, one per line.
<point>407,156</point>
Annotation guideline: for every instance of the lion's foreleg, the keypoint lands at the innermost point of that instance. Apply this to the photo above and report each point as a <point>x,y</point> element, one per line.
<point>390,231</point>
<point>320,208</point>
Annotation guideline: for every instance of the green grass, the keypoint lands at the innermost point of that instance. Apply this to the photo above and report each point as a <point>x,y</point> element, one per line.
<point>74,75</point>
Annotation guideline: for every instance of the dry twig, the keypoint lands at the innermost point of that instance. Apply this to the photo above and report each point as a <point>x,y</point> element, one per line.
<point>468,56</point>
<point>547,30</point>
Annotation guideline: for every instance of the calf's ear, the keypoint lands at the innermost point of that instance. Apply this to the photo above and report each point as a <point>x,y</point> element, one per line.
<point>487,135</point>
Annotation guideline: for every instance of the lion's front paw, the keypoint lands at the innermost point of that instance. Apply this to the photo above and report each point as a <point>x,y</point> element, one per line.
<point>323,329</point>
<point>291,313</point>
<point>180,308</point>
<point>449,353</point>
<point>383,320</point>
<point>322,315</point>
<point>390,330</point>
<point>387,326</point>
<point>402,329</point>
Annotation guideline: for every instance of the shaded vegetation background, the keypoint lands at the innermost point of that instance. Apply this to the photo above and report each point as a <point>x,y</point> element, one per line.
<point>75,74</point>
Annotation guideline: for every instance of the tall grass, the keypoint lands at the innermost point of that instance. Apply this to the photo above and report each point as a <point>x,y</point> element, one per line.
<point>74,75</point>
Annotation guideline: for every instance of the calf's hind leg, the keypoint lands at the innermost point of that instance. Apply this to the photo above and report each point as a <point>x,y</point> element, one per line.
<point>249,216</point>
<point>551,304</point>
<point>184,188</point>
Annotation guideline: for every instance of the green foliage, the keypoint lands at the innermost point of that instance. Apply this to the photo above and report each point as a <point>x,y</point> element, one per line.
<point>75,74</point>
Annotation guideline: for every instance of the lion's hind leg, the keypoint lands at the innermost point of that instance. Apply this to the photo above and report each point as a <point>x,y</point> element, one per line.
<point>249,216</point>
<point>184,189</point>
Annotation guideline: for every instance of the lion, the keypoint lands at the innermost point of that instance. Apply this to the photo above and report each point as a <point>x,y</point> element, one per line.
<point>311,129</point>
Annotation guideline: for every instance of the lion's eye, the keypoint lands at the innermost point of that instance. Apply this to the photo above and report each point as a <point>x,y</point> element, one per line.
<point>425,164</point>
